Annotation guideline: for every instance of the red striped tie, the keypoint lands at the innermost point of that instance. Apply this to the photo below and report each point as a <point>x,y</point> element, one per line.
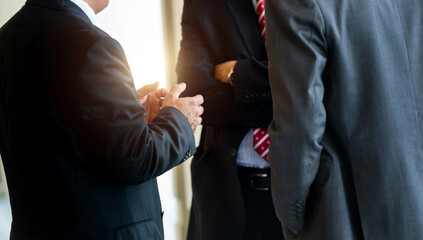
<point>261,142</point>
<point>261,137</point>
<point>261,18</point>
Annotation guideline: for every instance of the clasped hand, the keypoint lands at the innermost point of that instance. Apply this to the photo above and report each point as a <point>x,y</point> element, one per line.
<point>153,99</point>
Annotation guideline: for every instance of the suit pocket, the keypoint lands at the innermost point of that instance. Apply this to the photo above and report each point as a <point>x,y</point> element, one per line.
<point>323,173</point>
<point>144,230</point>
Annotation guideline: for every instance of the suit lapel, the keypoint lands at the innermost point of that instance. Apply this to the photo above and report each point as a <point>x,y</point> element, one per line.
<point>245,17</point>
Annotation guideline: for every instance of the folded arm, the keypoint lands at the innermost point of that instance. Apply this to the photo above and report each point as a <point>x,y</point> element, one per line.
<point>247,102</point>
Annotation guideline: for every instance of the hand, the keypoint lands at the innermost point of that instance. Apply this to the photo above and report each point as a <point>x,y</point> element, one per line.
<point>189,106</point>
<point>222,70</point>
<point>151,98</point>
<point>294,232</point>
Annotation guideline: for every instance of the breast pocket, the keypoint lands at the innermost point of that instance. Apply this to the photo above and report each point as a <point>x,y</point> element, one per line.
<point>145,230</point>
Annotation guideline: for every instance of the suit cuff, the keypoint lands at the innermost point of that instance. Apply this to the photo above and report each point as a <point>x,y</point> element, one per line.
<point>185,125</point>
<point>250,82</point>
<point>293,218</point>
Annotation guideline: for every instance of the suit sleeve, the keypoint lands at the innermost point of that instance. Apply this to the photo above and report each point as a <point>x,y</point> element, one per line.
<point>108,121</point>
<point>297,58</point>
<point>251,82</point>
<point>247,103</point>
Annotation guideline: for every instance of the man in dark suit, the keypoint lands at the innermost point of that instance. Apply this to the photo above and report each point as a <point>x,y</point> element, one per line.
<point>80,159</point>
<point>347,87</point>
<point>223,57</point>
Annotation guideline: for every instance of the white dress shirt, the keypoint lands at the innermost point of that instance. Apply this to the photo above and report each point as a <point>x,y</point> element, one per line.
<point>87,10</point>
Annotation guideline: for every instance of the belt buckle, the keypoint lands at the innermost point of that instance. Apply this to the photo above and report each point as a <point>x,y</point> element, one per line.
<point>258,175</point>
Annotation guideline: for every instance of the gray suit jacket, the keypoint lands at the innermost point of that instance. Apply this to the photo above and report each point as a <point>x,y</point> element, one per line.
<point>347,86</point>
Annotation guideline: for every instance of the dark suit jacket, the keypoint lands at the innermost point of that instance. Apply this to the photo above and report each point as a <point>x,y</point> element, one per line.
<point>347,149</point>
<point>216,32</point>
<point>80,159</point>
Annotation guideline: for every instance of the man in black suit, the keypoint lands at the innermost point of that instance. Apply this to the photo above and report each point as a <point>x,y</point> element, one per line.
<point>80,158</point>
<point>223,57</point>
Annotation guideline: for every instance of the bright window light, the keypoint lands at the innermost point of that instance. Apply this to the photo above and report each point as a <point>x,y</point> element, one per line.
<point>137,25</point>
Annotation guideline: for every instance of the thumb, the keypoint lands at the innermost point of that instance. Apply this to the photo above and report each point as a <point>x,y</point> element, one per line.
<point>177,89</point>
<point>142,92</point>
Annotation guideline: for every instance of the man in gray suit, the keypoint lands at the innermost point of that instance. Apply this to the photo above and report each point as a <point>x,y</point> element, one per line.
<point>347,87</point>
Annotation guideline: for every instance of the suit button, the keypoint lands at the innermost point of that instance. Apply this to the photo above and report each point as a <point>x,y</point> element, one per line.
<point>233,152</point>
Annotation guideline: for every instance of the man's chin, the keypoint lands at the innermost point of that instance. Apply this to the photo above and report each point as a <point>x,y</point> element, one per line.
<point>106,4</point>
<point>101,5</point>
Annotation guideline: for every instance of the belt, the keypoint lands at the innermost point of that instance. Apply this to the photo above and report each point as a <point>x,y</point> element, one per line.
<point>258,179</point>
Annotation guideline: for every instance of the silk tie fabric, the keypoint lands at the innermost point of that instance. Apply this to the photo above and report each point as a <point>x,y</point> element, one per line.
<point>261,139</point>
<point>261,18</point>
<point>261,142</point>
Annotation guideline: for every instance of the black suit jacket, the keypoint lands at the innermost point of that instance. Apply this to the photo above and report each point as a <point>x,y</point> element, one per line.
<point>215,32</point>
<point>80,159</point>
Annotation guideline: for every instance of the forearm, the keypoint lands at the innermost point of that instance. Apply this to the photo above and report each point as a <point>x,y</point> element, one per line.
<point>147,153</point>
<point>106,118</point>
<point>251,81</point>
<point>246,103</point>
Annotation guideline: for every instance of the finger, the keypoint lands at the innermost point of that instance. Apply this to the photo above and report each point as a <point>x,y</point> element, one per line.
<point>197,121</point>
<point>142,100</point>
<point>176,90</point>
<point>199,99</point>
<point>141,92</point>
<point>161,92</point>
<point>200,110</point>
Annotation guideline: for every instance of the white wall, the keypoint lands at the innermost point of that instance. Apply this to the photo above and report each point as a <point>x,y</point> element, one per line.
<point>140,31</point>
<point>8,8</point>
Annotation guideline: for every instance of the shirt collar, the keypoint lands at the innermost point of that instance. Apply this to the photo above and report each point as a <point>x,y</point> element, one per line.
<point>87,10</point>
